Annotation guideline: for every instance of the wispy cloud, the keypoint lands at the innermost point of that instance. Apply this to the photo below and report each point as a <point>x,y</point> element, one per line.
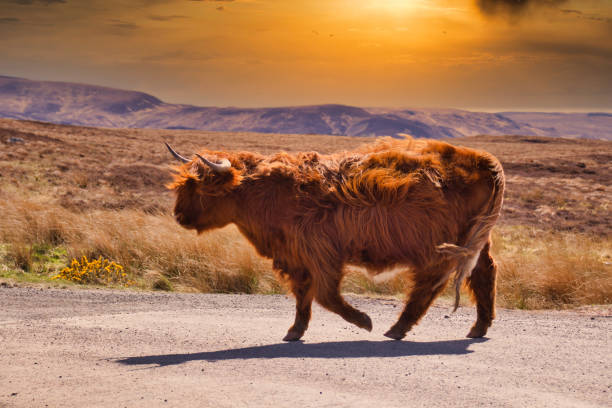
<point>563,48</point>
<point>513,8</point>
<point>31,2</point>
<point>599,18</point>
<point>166,18</point>
<point>9,20</point>
<point>178,56</point>
<point>123,25</point>
<point>592,17</point>
<point>571,11</point>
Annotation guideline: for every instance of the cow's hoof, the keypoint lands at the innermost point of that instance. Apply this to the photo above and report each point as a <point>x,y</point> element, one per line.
<point>365,323</point>
<point>293,336</point>
<point>477,331</point>
<point>395,334</point>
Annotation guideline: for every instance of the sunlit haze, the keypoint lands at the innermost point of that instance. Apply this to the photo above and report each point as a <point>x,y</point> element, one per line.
<point>474,54</point>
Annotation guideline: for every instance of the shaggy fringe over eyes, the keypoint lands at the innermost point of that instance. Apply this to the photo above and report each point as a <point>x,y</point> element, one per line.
<point>207,181</point>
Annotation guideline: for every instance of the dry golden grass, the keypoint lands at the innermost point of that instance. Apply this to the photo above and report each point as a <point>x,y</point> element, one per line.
<point>150,246</point>
<point>538,269</point>
<point>548,269</point>
<point>70,191</point>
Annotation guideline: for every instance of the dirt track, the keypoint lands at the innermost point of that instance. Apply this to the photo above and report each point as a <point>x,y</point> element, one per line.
<point>114,349</point>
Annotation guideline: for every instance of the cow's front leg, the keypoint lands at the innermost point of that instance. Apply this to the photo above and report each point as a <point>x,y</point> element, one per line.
<point>328,295</point>
<point>301,287</point>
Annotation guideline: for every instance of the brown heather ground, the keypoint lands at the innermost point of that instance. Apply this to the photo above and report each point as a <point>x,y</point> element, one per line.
<point>71,191</point>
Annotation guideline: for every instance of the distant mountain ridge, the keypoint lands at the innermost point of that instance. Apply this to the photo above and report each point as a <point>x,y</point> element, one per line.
<point>91,105</point>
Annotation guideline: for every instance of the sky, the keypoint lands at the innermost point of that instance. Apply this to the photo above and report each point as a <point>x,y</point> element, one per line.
<point>491,55</point>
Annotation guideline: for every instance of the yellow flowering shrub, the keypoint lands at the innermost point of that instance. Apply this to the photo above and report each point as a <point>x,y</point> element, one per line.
<point>98,271</point>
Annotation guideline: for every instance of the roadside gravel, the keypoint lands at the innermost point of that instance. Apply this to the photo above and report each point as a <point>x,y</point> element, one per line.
<point>102,348</point>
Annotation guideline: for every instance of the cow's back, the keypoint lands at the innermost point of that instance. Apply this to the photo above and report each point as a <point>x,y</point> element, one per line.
<point>404,198</point>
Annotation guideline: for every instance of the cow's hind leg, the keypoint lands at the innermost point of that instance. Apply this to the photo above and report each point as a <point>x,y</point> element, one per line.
<point>427,285</point>
<point>328,295</point>
<point>301,286</point>
<point>482,284</point>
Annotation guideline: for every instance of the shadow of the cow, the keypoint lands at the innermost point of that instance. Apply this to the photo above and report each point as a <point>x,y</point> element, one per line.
<point>338,349</point>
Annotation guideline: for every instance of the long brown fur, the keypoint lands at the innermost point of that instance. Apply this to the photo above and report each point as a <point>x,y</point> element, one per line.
<point>423,205</point>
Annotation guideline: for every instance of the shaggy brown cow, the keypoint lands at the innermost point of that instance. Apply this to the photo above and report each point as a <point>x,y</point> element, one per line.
<point>423,205</point>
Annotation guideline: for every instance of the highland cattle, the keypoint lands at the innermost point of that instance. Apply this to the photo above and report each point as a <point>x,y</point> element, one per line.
<point>421,205</point>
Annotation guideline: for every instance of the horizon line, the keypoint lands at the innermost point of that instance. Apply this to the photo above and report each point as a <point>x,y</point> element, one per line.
<point>473,109</point>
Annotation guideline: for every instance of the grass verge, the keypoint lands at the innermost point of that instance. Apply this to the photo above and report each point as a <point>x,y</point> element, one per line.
<point>537,268</point>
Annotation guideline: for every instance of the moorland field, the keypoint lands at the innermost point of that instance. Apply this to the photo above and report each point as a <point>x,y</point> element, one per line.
<point>68,191</point>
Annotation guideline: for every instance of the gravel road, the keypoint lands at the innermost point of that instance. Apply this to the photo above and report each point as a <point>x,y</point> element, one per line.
<point>99,348</point>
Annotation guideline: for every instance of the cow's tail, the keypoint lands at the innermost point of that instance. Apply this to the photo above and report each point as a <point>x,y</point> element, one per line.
<point>478,235</point>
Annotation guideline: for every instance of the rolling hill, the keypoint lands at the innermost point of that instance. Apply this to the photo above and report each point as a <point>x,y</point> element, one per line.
<point>90,105</point>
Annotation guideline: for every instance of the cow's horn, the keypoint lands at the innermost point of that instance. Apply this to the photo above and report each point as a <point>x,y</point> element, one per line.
<point>176,155</point>
<point>221,167</point>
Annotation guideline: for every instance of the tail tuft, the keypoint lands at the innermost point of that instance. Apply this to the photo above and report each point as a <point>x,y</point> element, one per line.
<point>453,251</point>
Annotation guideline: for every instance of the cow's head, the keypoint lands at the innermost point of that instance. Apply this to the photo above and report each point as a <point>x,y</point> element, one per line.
<point>204,190</point>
